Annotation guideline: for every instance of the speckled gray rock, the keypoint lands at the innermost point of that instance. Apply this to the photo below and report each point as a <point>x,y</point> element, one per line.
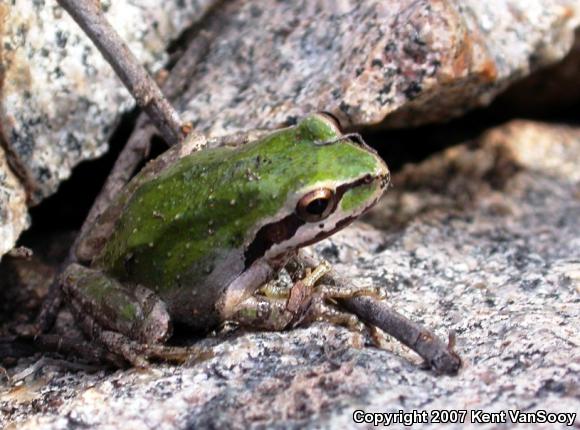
<point>398,63</point>
<point>550,89</point>
<point>490,248</point>
<point>60,99</point>
<point>13,210</point>
<point>408,61</point>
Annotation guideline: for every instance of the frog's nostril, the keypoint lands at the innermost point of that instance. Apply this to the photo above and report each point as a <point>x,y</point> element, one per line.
<point>385,180</point>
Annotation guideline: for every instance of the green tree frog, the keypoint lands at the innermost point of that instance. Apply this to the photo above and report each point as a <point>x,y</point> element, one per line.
<point>193,236</point>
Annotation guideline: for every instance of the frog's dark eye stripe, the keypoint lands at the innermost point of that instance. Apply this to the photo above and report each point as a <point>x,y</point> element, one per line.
<point>269,235</point>
<point>316,205</point>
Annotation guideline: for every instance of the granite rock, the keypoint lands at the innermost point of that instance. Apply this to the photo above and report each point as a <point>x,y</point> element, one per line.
<point>13,210</point>
<point>489,246</point>
<point>550,89</point>
<point>397,63</point>
<point>393,63</point>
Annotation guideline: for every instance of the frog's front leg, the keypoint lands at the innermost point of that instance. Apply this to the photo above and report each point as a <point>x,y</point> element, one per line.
<point>130,321</point>
<point>276,308</point>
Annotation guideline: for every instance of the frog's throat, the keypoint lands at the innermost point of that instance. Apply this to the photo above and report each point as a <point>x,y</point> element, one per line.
<point>291,232</point>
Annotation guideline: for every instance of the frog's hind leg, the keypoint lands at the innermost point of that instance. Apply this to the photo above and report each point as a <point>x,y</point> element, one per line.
<point>138,354</point>
<point>129,321</point>
<point>133,311</point>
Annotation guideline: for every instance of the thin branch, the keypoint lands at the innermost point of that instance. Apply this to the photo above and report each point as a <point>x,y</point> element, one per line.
<point>90,17</point>
<point>438,355</point>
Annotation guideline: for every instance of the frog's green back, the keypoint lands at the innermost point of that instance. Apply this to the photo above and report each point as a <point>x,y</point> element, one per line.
<point>198,216</point>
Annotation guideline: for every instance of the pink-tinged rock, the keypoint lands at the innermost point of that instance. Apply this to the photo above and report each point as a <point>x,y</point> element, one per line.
<point>13,210</point>
<point>394,63</point>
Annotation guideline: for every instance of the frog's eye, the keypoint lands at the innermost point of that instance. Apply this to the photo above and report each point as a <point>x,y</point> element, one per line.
<point>316,205</point>
<point>332,119</point>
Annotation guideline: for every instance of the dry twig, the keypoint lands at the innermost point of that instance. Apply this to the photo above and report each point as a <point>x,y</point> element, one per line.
<point>438,355</point>
<point>89,16</point>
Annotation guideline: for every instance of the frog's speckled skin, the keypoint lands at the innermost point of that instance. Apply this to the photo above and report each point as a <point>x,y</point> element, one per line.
<point>196,226</point>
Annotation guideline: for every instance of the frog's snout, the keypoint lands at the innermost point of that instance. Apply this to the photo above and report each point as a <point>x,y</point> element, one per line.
<point>383,175</point>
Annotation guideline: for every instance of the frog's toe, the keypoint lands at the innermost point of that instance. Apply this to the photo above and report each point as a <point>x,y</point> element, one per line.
<point>142,355</point>
<point>175,354</point>
<point>321,310</point>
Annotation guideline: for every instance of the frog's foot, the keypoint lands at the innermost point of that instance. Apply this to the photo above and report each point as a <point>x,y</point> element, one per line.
<point>307,279</point>
<point>276,307</point>
<point>319,310</point>
<point>303,306</point>
<point>321,301</point>
<point>140,355</point>
<point>310,276</point>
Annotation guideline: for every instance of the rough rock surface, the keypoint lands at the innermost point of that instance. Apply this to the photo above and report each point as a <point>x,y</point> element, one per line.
<point>60,100</point>
<point>13,211</point>
<point>483,239</point>
<point>411,62</point>
<point>269,62</point>
<point>553,88</point>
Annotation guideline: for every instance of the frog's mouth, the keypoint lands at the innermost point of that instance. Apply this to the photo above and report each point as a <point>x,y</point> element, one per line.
<point>271,234</point>
<point>280,233</point>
